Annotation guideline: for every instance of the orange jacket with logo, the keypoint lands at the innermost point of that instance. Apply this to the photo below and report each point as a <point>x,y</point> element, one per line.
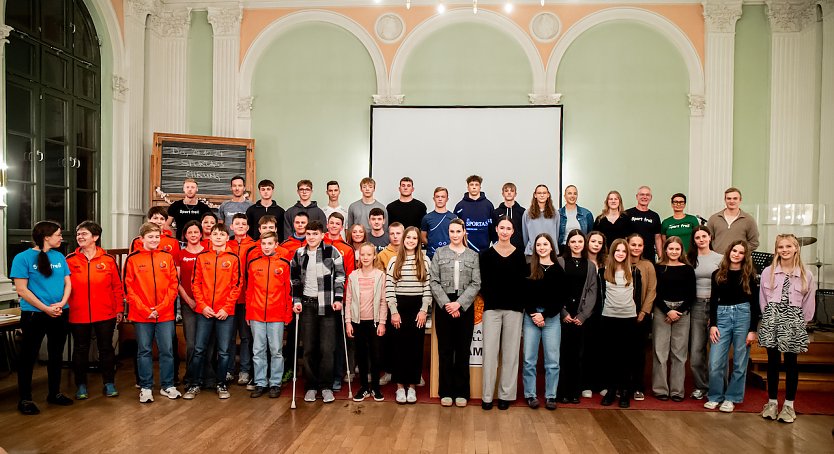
<point>150,283</point>
<point>216,281</point>
<point>268,290</point>
<point>348,256</point>
<point>167,243</point>
<point>97,292</point>
<point>242,250</point>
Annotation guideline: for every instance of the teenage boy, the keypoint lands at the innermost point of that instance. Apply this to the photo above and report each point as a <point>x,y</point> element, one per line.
<point>333,205</point>
<point>268,310</point>
<point>476,211</point>
<point>167,242</point>
<point>376,234</point>
<point>513,211</point>
<point>646,223</point>
<point>406,210</point>
<point>360,210</point>
<point>238,203</point>
<point>679,224</point>
<point>187,209</point>
<point>216,289</point>
<point>732,223</point>
<point>335,228</point>
<point>240,245</point>
<point>318,279</point>
<point>295,241</point>
<point>305,204</point>
<point>395,237</point>
<point>435,224</point>
<point>266,224</point>
<point>264,207</point>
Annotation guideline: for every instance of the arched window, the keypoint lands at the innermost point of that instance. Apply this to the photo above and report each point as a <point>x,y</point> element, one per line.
<point>53,116</point>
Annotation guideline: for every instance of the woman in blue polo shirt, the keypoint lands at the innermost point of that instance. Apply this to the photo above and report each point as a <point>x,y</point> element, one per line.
<point>41,278</point>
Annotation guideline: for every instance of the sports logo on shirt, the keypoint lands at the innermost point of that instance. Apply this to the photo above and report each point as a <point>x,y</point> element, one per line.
<point>278,271</point>
<point>167,248</point>
<point>163,265</point>
<point>101,266</point>
<point>226,265</point>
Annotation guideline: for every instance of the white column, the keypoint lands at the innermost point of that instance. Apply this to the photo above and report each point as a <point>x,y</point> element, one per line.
<point>225,24</point>
<point>713,168</point>
<point>792,171</point>
<point>697,203</point>
<point>169,58</point>
<point>826,185</point>
<point>7,291</point>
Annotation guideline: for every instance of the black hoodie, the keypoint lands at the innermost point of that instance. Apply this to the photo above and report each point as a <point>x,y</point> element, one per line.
<point>514,214</point>
<point>255,212</point>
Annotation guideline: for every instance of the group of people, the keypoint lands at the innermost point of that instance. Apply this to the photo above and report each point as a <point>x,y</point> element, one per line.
<point>585,290</point>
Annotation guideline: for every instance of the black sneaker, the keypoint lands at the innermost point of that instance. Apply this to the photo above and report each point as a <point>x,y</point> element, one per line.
<point>274,392</point>
<point>59,399</point>
<point>503,404</point>
<point>361,395</point>
<point>608,399</point>
<point>550,404</point>
<point>27,407</point>
<point>532,402</point>
<point>258,392</point>
<point>625,402</point>
<point>378,395</point>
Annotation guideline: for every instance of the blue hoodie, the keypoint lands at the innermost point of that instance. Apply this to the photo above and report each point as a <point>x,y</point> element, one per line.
<point>477,214</point>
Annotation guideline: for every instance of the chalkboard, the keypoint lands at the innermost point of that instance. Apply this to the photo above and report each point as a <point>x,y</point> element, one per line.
<point>211,161</point>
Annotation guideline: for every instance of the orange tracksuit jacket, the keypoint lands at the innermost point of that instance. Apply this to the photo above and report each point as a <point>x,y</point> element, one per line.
<point>150,283</point>
<point>216,280</point>
<point>268,290</point>
<point>348,256</point>
<point>97,292</point>
<point>167,243</point>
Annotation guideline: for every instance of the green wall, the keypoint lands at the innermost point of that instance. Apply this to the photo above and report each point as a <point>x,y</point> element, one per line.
<point>751,105</point>
<point>311,114</point>
<point>200,48</point>
<point>467,64</point>
<point>626,118</point>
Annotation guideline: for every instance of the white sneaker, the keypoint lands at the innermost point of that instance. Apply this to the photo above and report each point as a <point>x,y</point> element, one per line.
<point>170,392</point>
<point>603,392</point>
<point>638,395</point>
<point>422,382</point>
<point>145,395</point>
<point>788,414</point>
<point>447,402</point>
<point>770,410</point>
<point>223,392</point>
<point>310,396</point>
<point>400,396</point>
<point>587,394</point>
<point>243,378</point>
<point>411,396</point>
<point>327,396</point>
<point>191,392</point>
<point>727,406</point>
<point>385,379</point>
<point>710,405</point>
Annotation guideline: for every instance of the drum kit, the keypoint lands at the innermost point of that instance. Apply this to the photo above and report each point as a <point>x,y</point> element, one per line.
<point>822,294</point>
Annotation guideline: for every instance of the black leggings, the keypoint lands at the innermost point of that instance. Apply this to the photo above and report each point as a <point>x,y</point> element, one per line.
<point>774,357</point>
<point>81,334</point>
<point>34,325</point>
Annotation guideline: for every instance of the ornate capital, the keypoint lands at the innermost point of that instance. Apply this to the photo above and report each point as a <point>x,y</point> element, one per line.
<point>545,100</point>
<point>225,21</point>
<point>140,8</point>
<point>696,105</point>
<point>119,87</point>
<point>244,106</point>
<point>171,22</point>
<point>721,16</point>
<point>388,100</point>
<point>5,30</point>
<point>788,16</point>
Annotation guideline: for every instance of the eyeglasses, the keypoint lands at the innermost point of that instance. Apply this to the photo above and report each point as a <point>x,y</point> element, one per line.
<point>304,189</point>
<point>678,202</point>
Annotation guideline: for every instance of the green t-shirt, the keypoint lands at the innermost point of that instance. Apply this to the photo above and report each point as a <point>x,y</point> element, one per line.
<point>681,228</point>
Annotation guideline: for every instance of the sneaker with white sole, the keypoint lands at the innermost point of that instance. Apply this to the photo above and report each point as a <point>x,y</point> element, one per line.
<point>400,396</point>
<point>770,410</point>
<point>710,405</point>
<point>698,394</point>
<point>638,395</point>
<point>145,395</point>
<point>170,392</point>
<point>422,382</point>
<point>788,414</point>
<point>411,396</point>
<point>603,392</point>
<point>191,392</point>
<point>250,386</point>
<point>378,397</point>
<point>587,394</point>
<point>327,396</point>
<point>310,396</point>
<point>361,395</point>
<point>385,379</point>
<point>447,402</point>
<point>223,392</point>
<point>460,402</point>
<point>243,378</point>
<point>727,406</point>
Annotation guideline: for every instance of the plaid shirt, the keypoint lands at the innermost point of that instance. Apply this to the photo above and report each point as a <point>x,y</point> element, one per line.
<point>331,275</point>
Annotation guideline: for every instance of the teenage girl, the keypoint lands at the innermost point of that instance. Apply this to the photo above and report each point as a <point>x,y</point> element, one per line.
<point>705,261</point>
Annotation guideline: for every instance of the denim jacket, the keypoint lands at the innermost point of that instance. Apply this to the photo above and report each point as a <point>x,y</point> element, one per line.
<point>442,274</point>
<point>583,215</point>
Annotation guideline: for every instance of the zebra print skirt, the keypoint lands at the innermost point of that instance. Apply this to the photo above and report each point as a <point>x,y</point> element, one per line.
<point>783,328</point>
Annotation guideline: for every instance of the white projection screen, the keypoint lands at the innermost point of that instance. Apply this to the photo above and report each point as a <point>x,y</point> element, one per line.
<point>441,146</point>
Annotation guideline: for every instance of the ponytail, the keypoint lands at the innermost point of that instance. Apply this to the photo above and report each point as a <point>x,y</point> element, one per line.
<point>40,232</point>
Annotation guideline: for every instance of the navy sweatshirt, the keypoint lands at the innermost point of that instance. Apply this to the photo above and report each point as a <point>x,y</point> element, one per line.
<point>477,214</point>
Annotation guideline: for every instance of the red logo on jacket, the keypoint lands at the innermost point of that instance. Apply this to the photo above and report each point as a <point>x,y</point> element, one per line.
<point>278,271</point>
<point>226,265</point>
<point>101,266</point>
<point>163,265</point>
<point>167,248</point>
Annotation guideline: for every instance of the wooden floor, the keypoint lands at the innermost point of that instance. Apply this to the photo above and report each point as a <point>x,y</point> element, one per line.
<point>241,424</point>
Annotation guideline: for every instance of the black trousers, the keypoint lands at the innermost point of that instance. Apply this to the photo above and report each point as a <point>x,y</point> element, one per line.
<point>368,352</point>
<point>591,377</point>
<point>621,340</point>
<point>570,360</point>
<point>318,335</point>
<point>774,358</point>
<point>34,325</point>
<point>408,342</point>
<point>81,335</point>
<point>638,373</point>
<point>454,339</point>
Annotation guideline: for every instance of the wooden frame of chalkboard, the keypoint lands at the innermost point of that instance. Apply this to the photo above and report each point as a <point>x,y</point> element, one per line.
<point>212,161</point>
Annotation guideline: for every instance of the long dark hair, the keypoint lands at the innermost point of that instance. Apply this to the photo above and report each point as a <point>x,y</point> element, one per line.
<point>567,252</point>
<point>549,210</point>
<point>536,272</point>
<point>747,270</point>
<point>692,255</point>
<point>40,232</point>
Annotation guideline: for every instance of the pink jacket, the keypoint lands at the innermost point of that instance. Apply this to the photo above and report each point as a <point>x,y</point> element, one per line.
<point>770,290</point>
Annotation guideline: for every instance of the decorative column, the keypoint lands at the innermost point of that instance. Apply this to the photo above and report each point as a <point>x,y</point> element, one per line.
<point>713,168</point>
<point>826,186</point>
<point>388,100</point>
<point>792,170</point>
<point>545,100</point>
<point>169,54</point>
<point>225,24</point>
<point>7,291</point>
<point>697,202</point>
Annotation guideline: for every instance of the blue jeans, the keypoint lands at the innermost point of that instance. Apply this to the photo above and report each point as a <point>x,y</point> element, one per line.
<point>551,338</point>
<point>223,331</point>
<point>268,334</point>
<point>163,333</point>
<point>733,326</point>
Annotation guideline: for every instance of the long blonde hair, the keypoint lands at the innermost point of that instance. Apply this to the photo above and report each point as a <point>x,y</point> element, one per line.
<point>611,263</point>
<point>797,260</point>
<point>605,208</point>
<point>419,261</point>
<point>664,259</point>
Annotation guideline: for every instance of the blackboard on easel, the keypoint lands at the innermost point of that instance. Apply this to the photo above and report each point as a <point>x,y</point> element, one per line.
<point>211,161</point>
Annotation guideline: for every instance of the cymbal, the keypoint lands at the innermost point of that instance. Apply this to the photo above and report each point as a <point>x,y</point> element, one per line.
<point>820,264</point>
<point>806,240</point>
